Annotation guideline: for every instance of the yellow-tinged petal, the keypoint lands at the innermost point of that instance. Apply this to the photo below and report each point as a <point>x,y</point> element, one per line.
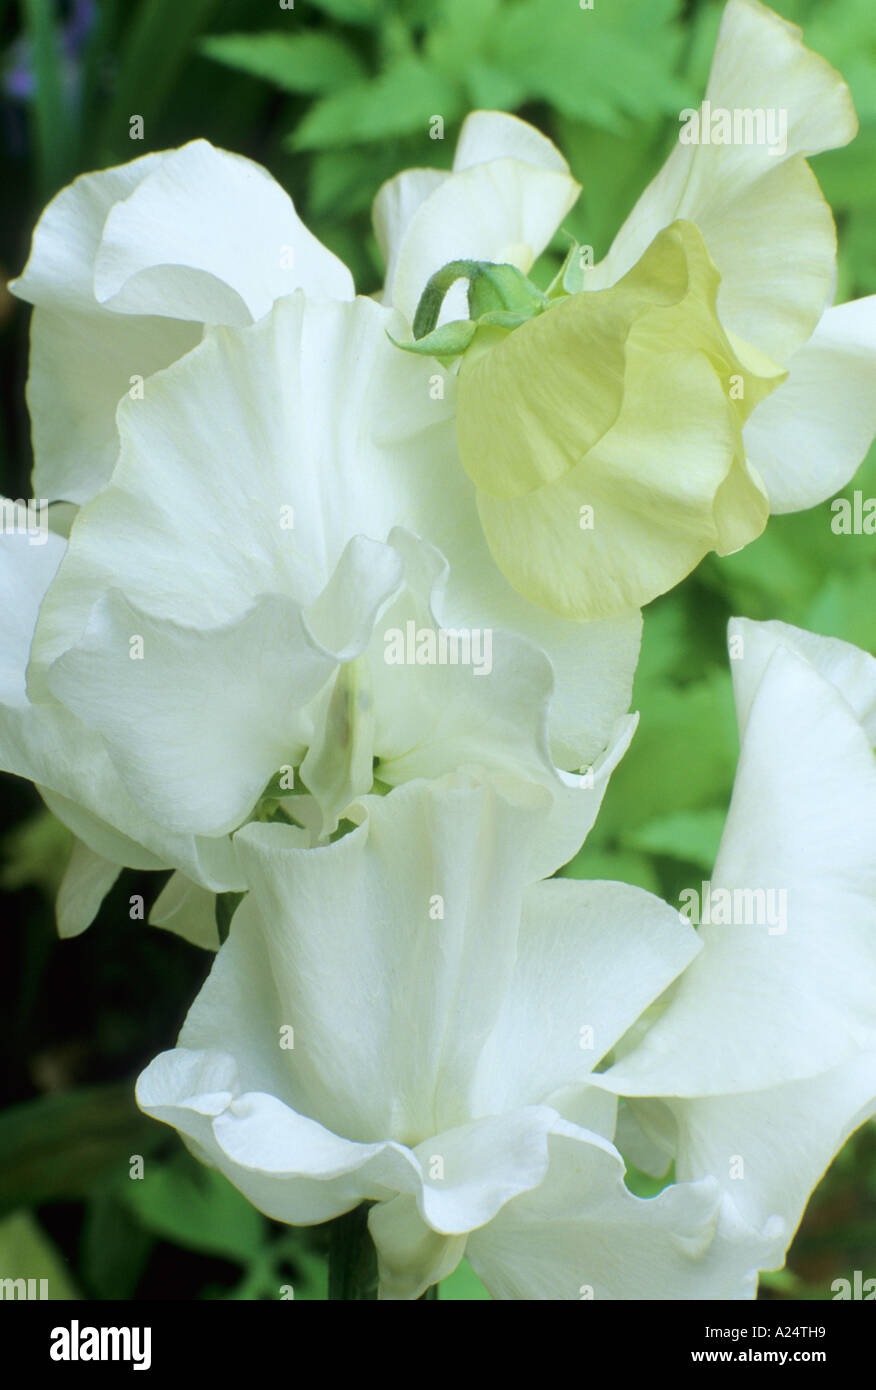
<point>539,397</point>
<point>754,198</point>
<point>605,437</point>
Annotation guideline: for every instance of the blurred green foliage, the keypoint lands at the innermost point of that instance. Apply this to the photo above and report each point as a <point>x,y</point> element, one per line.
<point>334,96</point>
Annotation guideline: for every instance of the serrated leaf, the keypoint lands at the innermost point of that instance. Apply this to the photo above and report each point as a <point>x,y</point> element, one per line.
<point>599,67</point>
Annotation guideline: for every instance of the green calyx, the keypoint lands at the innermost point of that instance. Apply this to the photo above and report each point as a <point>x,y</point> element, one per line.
<point>499,297</point>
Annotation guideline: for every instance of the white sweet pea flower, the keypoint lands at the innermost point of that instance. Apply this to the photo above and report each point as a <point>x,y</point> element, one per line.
<point>127,267</point>
<point>399,1018</point>
<point>46,743</point>
<point>763,1058</point>
<point>254,608</point>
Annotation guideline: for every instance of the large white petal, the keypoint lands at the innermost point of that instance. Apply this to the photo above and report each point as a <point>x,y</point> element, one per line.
<point>583,1235</point>
<point>197,720</point>
<point>591,957</point>
<point>289,1166</point>
<point>767,1003</point>
<point>487,135</point>
<point>469,1174</point>
<point>769,1148</point>
<point>848,668</point>
<point>46,743</point>
<point>140,843</point>
<point>419,907</point>
<point>210,236</point>
<point>60,269</point>
<point>123,277</point>
<point>81,366</point>
<point>808,437</point>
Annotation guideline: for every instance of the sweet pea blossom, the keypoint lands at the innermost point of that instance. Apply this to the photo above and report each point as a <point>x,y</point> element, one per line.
<point>463,1099</point>
<point>129,264</point>
<point>127,267</point>
<point>663,402</point>
<point>254,557</point>
<point>771,237</point>
<point>762,1059</point>
<point>402,1018</point>
<point>287,497</point>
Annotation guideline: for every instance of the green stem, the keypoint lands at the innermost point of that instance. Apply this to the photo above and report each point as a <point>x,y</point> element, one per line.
<point>433,295</point>
<point>352,1257</point>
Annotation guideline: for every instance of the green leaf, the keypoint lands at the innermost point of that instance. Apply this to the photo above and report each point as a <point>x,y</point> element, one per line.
<point>462,1284</point>
<point>36,851</point>
<point>114,1246</point>
<point>489,88</point>
<point>401,101</point>
<point>26,1252</point>
<point>195,1207</point>
<point>683,755</point>
<point>602,65</point>
<point>54,128</point>
<point>618,866</point>
<point>57,1147</point>
<point>156,44</point>
<point>361,12</point>
<point>844,608</point>
<point>308,62</point>
<point>691,836</point>
<point>460,32</point>
<point>613,170</point>
<point>344,183</point>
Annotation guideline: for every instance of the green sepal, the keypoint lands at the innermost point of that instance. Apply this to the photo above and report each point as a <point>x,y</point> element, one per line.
<point>502,318</point>
<point>503,288</point>
<point>448,341</point>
